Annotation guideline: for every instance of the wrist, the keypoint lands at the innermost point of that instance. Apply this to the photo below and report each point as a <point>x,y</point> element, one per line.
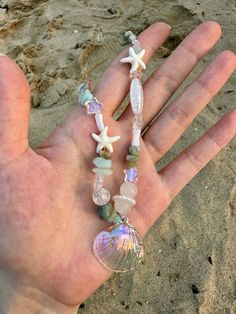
<point>18,299</point>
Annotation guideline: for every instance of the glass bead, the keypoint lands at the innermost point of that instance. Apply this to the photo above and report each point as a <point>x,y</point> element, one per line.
<point>94,107</point>
<point>128,189</point>
<point>101,196</point>
<point>136,96</point>
<point>131,175</point>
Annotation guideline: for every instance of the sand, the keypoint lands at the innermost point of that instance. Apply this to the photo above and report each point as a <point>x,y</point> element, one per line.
<point>190,261</point>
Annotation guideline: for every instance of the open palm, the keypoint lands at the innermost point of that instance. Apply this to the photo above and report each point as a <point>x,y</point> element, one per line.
<point>47,219</point>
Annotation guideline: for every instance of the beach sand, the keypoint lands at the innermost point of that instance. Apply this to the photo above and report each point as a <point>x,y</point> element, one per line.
<point>190,261</point>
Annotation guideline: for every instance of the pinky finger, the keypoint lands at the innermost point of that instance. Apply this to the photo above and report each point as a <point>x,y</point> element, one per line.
<point>185,166</point>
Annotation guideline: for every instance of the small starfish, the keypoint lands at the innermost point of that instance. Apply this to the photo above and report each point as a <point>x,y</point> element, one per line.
<point>135,59</point>
<point>104,140</point>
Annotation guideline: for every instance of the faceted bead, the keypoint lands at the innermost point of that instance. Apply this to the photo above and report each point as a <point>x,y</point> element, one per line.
<point>131,175</point>
<point>128,189</point>
<point>98,181</point>
<point>101,196</point>
<point>137,122</point>
<point>105,172</point>
<point>136,96</point>
<point>105,211</point>
<point>102,162</point>
<point>123,204</point>
<point>94,106</point>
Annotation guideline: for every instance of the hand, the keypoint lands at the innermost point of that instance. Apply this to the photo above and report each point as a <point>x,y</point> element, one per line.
<point>47,219</point>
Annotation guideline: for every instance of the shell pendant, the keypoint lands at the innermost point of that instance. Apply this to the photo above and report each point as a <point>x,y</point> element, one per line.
<point>119,247</point>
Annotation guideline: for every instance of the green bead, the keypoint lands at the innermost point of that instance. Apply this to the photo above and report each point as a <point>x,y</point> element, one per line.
<point>134,150</point>
<point>114,217</point>
<point>102,162</point>
<point>105,211</point>
<point>132,158</point>
<point>86,97</point>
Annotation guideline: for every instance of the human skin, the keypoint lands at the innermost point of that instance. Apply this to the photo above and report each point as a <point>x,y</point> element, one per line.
<point>47,218</point>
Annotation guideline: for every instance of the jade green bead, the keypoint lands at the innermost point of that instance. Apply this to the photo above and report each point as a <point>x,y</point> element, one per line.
<point>105,211</point>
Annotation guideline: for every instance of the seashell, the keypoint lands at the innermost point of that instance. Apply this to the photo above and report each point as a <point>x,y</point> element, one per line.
<point>119,248</point>
<point>136,96</point>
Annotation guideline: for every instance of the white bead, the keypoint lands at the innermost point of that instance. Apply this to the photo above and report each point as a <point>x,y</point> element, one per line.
<point>136,95</point>
<point>99,121</point>
<point>128,189</point>
<point>123,204</point>
<point>136,137</point>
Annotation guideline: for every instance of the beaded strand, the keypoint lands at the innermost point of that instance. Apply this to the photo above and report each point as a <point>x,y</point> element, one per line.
<point>123,202</point>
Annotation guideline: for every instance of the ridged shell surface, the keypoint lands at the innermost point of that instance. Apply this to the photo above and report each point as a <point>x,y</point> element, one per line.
<point>119,248</point>
<point>136,96</point>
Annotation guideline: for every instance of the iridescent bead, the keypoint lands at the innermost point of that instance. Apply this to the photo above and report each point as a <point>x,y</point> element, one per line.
<point>131,175</point>
<point>128,189</point>
<point>105,211</point>
<point>93,106</point>
<point>84,94</point>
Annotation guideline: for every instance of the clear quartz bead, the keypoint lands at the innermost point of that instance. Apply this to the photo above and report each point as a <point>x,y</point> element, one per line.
<point>137,122</point>
<point>101,196</point>
<point>136,96</point>
<point>128,189</point>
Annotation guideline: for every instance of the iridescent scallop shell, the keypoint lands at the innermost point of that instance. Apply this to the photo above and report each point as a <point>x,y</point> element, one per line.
<point>119,248</point>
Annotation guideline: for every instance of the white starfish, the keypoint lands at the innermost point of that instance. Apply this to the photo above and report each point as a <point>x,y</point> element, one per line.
<point>135,59</point>
<point>104,140</point>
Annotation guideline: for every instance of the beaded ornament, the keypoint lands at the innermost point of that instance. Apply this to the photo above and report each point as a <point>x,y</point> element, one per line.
<point>119,247</point>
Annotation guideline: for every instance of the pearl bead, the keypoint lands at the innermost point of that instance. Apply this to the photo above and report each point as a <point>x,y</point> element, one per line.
<point>128,189</point>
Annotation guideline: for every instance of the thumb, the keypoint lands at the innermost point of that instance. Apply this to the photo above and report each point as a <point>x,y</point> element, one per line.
<point>14,110</point>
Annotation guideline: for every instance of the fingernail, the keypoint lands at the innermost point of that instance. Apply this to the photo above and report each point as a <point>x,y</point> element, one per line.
<point>2,55</point>
<point>169,26</point>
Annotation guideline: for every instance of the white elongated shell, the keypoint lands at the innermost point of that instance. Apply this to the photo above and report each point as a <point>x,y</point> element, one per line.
<point>136,96</point>
<point>119,248</point>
